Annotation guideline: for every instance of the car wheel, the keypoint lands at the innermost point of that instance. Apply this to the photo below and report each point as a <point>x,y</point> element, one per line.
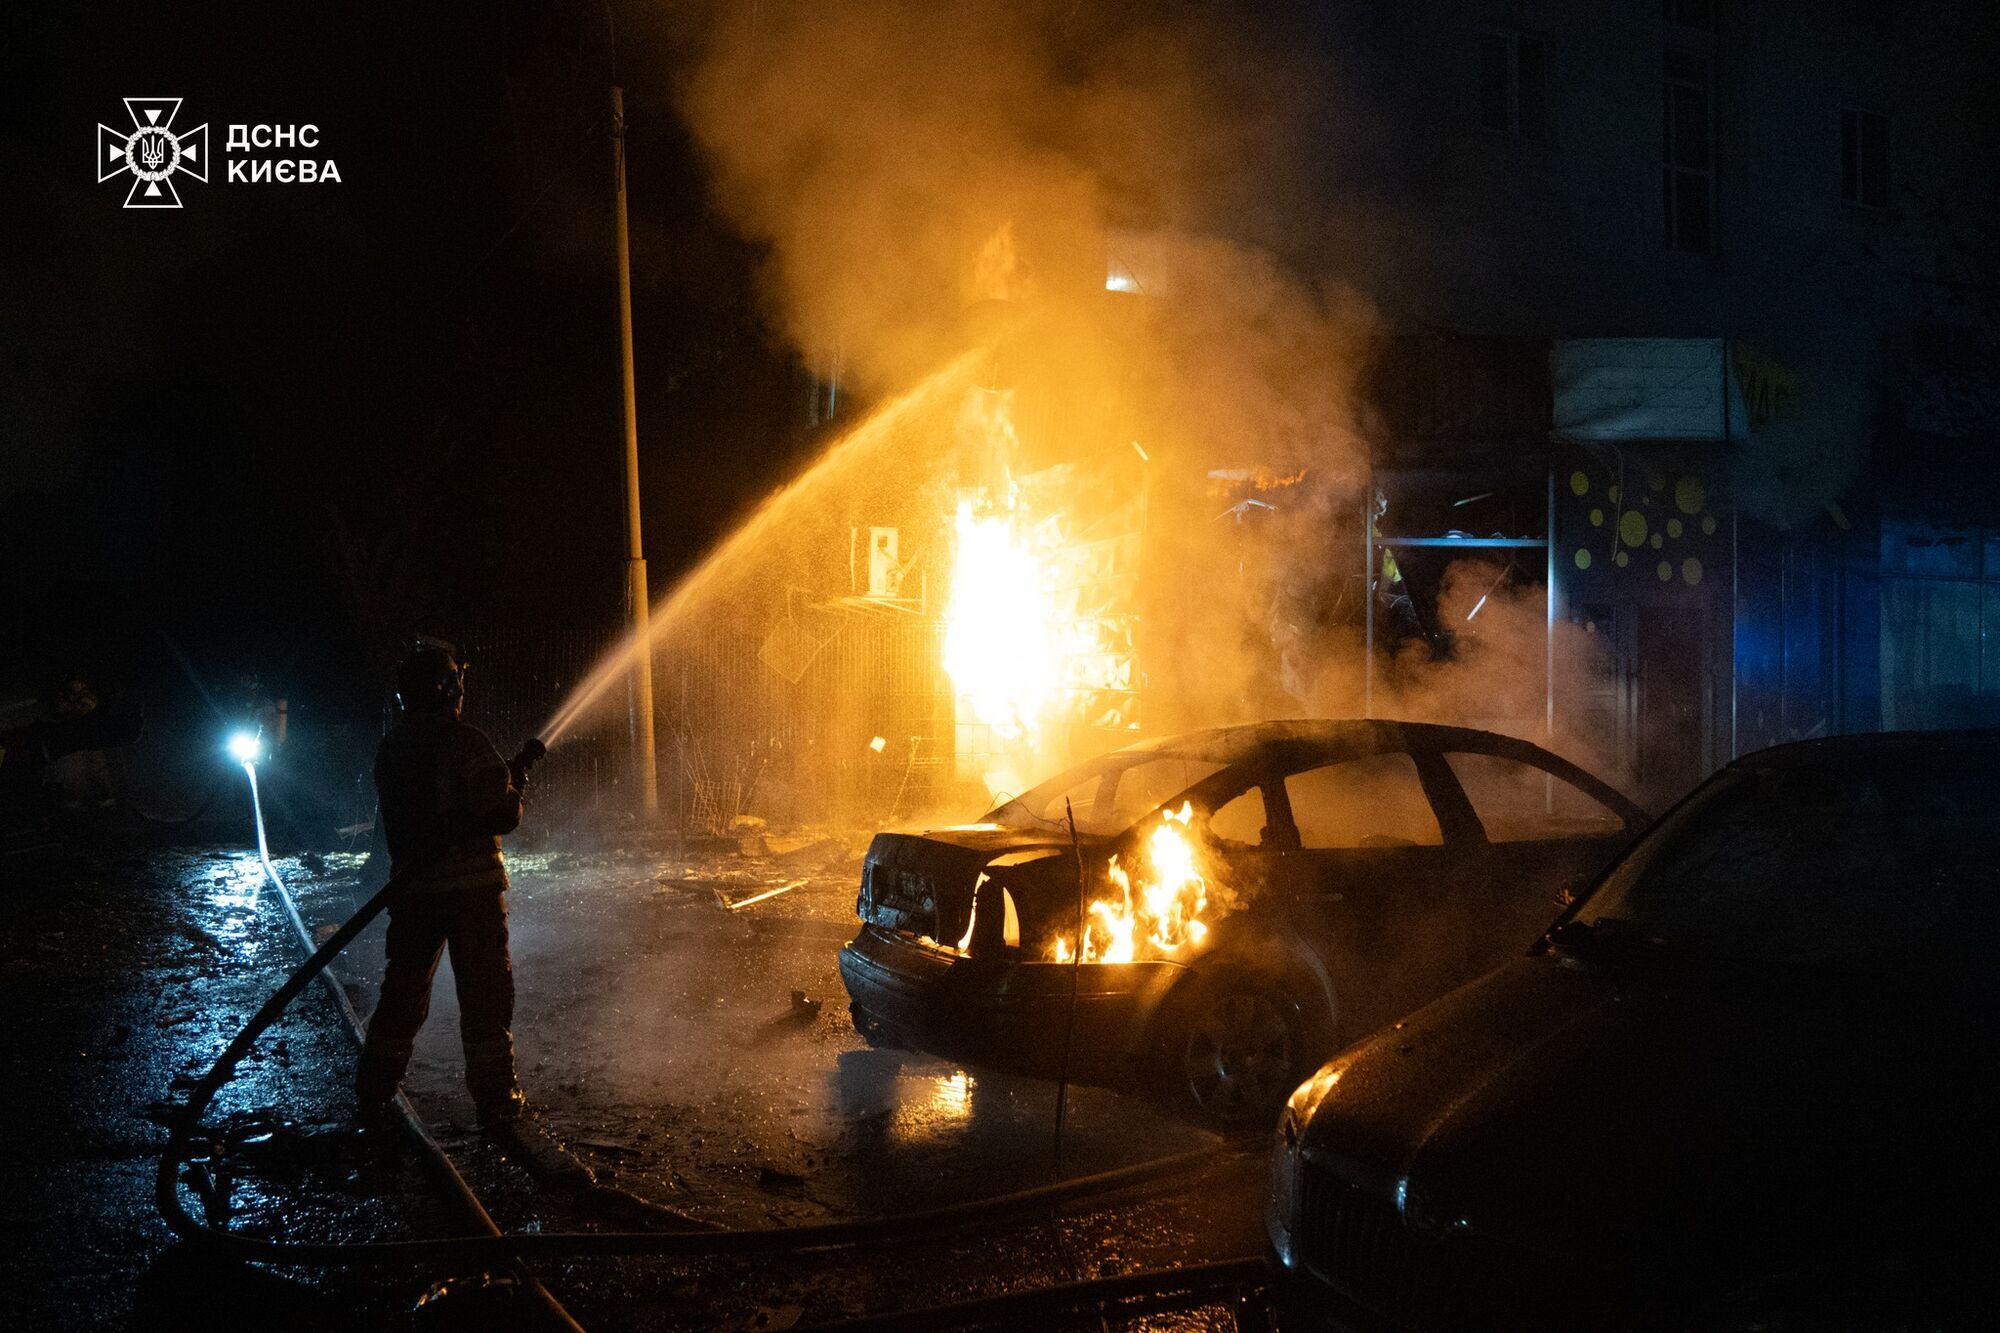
<point>1238,1050</point>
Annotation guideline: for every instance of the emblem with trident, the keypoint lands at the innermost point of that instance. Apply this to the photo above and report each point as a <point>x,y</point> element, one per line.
<point>152,152</point>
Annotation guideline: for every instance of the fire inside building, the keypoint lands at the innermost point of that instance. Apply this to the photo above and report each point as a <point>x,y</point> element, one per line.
<point>1018,610</point>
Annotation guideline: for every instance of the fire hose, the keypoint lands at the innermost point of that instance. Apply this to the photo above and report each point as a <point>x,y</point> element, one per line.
<point>498,1247</point>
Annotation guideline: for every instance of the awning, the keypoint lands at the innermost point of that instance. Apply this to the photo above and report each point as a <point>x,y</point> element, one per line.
<point>1619,389</point>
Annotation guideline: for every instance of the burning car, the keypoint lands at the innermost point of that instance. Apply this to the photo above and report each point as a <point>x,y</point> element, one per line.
<point>1220,909</point>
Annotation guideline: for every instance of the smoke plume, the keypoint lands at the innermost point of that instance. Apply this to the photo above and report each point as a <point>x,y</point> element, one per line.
<point>1094,202</point>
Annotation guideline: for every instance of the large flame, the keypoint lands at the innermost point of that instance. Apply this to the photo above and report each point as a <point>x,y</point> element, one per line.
<point>1000,642</point>
<point>1159,916</point>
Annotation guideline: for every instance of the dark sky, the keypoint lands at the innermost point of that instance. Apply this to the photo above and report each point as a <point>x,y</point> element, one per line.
<point>289,424</point>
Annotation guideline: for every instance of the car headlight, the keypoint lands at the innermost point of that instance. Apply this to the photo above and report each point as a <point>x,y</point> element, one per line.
<point>1304,1102</point>
<point>1282,1218</point>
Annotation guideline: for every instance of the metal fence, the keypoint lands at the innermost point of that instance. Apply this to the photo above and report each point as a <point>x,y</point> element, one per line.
<point>835,714</point>
<point>516,678</point>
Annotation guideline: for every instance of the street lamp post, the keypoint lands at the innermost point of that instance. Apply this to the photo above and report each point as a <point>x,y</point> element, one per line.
<point>635,554</point>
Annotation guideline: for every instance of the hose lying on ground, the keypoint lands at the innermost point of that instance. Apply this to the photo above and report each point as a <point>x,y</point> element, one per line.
<point>1152,1288</point>
<point>495,1247</point>
<point>435,1157</point>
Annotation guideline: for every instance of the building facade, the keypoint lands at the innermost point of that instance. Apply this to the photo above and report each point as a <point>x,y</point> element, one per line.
<point>1750,246</point>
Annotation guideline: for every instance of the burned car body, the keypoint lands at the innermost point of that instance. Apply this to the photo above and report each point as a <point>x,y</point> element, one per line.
<point>1743,1083</point>
<point>1348,872</point>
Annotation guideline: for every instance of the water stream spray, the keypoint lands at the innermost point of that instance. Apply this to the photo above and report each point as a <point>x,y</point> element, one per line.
<point>849,451</point>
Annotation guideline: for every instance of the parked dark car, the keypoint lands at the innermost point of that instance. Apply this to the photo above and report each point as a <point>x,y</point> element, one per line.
<point>1745,1082</point>
<point>1370,865</point>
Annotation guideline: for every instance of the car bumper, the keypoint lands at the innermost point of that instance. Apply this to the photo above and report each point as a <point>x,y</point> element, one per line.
<point>1004,1011</point>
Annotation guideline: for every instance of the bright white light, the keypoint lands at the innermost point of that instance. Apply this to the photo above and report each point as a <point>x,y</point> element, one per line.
<point>245,747</point>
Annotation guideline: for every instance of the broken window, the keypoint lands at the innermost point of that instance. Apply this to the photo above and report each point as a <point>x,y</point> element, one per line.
<point>1378,801</point>
<point>1108,795</point>
<point>1240,820</point>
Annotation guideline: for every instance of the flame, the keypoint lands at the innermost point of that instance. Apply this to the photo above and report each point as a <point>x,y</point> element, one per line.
<point>1160,914</point>
<point>997,273</point>
<point>1000,642</point>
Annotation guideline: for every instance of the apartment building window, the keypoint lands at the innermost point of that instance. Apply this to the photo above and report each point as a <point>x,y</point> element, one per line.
<point>1688,142</point>
<point>1690,13</point>
<point>1511,83</point>
<point>1864,158</point>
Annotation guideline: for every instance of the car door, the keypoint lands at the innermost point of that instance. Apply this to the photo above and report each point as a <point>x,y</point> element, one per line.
<point>1371,865</point>
<point>1540,833</point>
<point>1240,838</point>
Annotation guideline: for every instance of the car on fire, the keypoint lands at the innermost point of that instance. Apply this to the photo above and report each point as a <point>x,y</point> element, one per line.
<point>1743,1082</point>
<point>1219,910</point>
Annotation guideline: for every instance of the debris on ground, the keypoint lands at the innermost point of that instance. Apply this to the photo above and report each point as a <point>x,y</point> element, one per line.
<point>804,1006</point>
<point>806,852</point>
<point>738,904</point>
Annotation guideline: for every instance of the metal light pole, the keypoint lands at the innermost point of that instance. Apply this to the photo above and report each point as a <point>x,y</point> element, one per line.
<point>635,553</point>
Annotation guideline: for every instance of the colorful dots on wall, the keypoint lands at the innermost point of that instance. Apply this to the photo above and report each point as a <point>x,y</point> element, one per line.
<point>1690,496</point>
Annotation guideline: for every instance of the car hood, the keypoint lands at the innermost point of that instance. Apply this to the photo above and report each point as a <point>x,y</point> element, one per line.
<point>1575,1111</point>
<point>991,840</point>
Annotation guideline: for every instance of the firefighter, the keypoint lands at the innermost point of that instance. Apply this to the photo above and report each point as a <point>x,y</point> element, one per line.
<point>446,798</point>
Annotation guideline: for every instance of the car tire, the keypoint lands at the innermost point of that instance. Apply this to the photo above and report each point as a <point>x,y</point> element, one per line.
<point>1237,1047</point>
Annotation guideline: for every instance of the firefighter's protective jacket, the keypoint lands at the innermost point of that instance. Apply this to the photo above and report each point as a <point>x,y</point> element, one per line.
<point>447,796</point>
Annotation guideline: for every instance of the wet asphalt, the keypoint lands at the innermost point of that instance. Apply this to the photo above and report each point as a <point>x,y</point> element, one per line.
<point>661,1041</point>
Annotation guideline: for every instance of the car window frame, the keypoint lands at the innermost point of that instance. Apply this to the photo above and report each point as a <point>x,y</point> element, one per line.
<point>1210,802</point>
<point>1456,823</point>
<point>1633,820</point>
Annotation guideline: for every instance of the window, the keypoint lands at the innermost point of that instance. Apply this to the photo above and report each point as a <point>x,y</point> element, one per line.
<point>1240,820</point>
<point>1518,802</point>
<point>1690,13</point>
<point>1806,865</point>
<point>1940,607</point>
<point>1108,794</point>
<point>1864,158</point>
<point>1511,81</point>
<point>1688,143</point>
<point>1378,801</point>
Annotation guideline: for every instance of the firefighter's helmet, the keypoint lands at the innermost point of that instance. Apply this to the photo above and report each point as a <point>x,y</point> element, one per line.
<point>430,678</point>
